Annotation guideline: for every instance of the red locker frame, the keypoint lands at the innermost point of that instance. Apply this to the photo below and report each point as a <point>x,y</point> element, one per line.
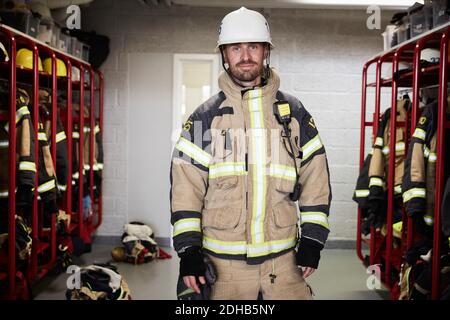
<point>46,241</point>
<point>381,247</point>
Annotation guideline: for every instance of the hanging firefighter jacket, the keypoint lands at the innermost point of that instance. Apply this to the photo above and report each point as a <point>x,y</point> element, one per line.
<point>419,180</point>
<point>99,282</point>
<point>370,192</point>
<point>25,141</point>
<point>61,139</point>
<point>232,177</point>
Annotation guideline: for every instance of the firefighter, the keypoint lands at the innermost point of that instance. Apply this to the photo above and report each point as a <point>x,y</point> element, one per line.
<point>244,158</point>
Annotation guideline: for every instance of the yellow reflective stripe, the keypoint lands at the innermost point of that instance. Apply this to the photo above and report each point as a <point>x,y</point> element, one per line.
<point>194,151</point>
<point>225,247</point>
<point>399,147</point>
<point>76,175</point>
<point>42,136</point>
<point>371,151</point>
<point>27,166</point>
<point>87,167</point>
<point>429,220</point>
<point>312,146</point>
<point>398,189</point>
<point>227,169</point>
<point>379,142</point>
<point>186,225</point>
<point>75,135</point>
<point>315,217</point>
<point>21,112</point>
<point>62,187</point>
<point>100,166</point>
<point>4,194</point>
<point>414,193</point>
<point>420,134</point>
<point>60,136</point>
<point>96,129</point>
<point>282,172</point>
<point>49,185</point>
<point>259,152</point>
<point>432,157</point>
<point>266,248</point>
<point>4,144</point>
<point>362,193</point>
<point>374,181</point>
<point>398,226</point>
<point>426,151</point>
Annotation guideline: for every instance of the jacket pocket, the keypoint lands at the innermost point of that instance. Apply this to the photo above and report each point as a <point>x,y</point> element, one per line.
<point>285,214</point>
<point>221,218</point>
<point>282,167</point>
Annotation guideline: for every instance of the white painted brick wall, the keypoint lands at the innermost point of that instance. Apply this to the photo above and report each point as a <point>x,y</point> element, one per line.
<point>319,54</point>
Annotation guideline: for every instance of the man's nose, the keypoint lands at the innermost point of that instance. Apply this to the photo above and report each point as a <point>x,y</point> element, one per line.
<point>245,54</point>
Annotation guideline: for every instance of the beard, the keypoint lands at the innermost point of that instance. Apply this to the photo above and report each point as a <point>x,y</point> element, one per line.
<point>247,75</point>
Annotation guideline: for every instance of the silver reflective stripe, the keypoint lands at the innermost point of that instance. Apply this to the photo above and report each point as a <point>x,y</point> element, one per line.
<point>398,189</point>
<point>62,187</point>
<point>27,166</point>
<point>225,247</point>
<point>100,166</point>
<point>42,136</point>
<point>4,144</point>
<point>426,151</point>
<point>420,133</point>
<point>379,142</point>
<point>362,193</point>
<point>49,185</point>
<point>96,129</point>
<point>194,151</point>
<point>76,175</point>
<point>186,225</point>
<point>259,152</point>
<point>414,193</point>
<point>266,248</point>
<point>315,217</point>
<point>60,136</point>
<point>433,157</point>
<point>227,169</point>
<point>282,172</point>
<point>4,194</point>
<point>76,135</point>
<point>399,147</point>
<point>429,220</point>
<point>312,146</point>
<point>376,182</point>
<point>21,112</point>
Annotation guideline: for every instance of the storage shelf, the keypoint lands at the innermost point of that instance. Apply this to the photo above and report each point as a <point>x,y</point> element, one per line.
<point>428,76</point>
<point>42,246</point>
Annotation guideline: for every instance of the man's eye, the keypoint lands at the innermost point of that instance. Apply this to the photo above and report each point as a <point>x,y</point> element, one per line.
<point>235,49</point>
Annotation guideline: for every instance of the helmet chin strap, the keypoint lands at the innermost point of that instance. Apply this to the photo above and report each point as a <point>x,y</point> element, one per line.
<point>266,69</point>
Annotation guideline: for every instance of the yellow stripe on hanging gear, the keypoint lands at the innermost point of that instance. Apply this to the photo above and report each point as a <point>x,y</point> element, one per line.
<point>49,185</point>
<point>399,148</point>
<point>100,166</point>
<point>76,175</point>
<point>432,158</point>
<point>312,146</point>
<point>420,134</point>
<point>282,172</point>
<point>62,187</point>
<point>4,144</point>
<point>374,181</point>
<point>379,142</point>
<point>362,193</point>
<point>397,228</point>
<point>284,109</point>
<point>193,151</point>
<point>316,217</point>
<point>429,220</point>
<point>225,247</point>
<point>60,136</point>
<point>187,225</point>
<point>96,129</point>
<point>19,115</point>
<point>398,189</point>
<point>76,135</point>
<point>426,151</point>
<point>27,166</point>
<point>227,169</point>
<point>270,247</point>
<point>414,193</point>
<point>4,194</point>
<point>42,136</point>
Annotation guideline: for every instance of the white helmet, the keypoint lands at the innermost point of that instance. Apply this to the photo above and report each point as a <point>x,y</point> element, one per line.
<point>244,25</point>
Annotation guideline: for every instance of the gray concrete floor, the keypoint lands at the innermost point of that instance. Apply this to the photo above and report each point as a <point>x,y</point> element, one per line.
<point>341,276</point>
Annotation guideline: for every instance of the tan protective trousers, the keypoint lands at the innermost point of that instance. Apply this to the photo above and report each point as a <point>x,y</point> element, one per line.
<point>236,280</point>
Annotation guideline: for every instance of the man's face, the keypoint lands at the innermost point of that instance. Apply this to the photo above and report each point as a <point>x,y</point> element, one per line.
<point>245,60</point>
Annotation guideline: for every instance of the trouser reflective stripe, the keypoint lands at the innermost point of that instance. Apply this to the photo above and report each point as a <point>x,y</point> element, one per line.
<point>49,185</point>
<point>42,136</point>
<point>379,142</point>
<point>76,135</point>
<point>414,193</point>
<point>429,220</point>
<point>60,136</point>
<point>315,217</point>
<point>420,134</point>
<point>100,166</point>
<point>227,169</point>
<point>62,187</point>
<point>186,225</point>
<point>376,182</point>
<point>194,151</point>
<point>398,189</point>
<point>282,172</point>
<point>362,193</point>
<point>258,146</point>
<point>432,157</point>
<point>4,144</point>
<point>27,166</point>
<point>4,194</point>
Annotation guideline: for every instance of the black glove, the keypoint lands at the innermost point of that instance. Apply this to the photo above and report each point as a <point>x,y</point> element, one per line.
<point>191,263</point>
<point>308,254</point>
<point>24,196</point>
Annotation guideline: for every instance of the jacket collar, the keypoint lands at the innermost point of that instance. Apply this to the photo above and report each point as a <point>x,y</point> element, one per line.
<point>231,89</point>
